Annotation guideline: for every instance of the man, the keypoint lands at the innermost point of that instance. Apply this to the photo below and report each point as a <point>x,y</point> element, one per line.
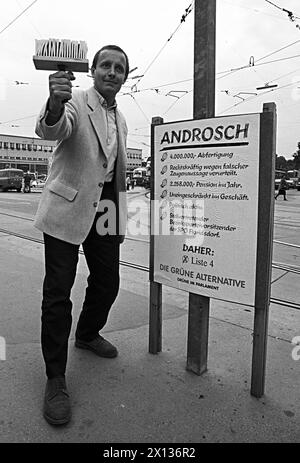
<point>27,182</point>
<point>83,202</point>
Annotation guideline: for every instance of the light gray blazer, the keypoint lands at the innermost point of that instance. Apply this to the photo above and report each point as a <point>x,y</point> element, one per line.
<point>70,198</point>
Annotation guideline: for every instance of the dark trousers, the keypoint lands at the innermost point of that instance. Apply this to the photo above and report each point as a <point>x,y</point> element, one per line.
<point>282,192</point>
<point>102,257</point>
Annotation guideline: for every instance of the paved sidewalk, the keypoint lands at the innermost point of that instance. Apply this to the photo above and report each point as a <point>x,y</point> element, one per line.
<point>139,397</point>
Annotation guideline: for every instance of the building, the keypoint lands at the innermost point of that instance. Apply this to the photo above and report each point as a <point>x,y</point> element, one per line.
<point>26,153</point>
<point>134,158</point>
<point>35,154</point>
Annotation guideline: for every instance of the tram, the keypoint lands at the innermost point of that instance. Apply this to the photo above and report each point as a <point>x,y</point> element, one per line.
<point>140,176</point>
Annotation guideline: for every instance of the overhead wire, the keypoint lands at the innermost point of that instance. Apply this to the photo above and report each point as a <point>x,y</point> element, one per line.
<point>31,23</point>
<point>248,66</point>
<point>260,64</point>
<point>255,10</point>
<point>261,94</point>
<point>278,50</point>
<point>186,80</point>
<point>155,87</point>
<point>188,10</point>
<point>248,99</point>
<point>290,14</point>
<point>232,71</point>
<point>268,91</point>
<point>269,81</point>
<point>235,70</point>
<point>19,119</point>
<point>273,4</point>
<point>283,75</point>
<point>176,101</point>
<point>229,72</point>
<point>140,108</point>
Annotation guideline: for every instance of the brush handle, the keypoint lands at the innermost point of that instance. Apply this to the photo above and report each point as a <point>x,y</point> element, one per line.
<point>62,67</point>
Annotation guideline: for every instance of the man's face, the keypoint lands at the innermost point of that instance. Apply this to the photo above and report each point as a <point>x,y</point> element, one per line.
<point>109,74</point>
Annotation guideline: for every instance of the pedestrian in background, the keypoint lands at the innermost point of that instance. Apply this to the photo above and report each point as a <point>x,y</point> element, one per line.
<point>27,182</point>
<point>87,177</point>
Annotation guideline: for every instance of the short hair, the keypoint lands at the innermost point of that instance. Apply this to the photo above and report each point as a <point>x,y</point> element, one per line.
<point>112,47</point>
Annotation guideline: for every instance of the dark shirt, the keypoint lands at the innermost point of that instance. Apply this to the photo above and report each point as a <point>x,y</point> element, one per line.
<point>283,184</point>
<point>27,179</point>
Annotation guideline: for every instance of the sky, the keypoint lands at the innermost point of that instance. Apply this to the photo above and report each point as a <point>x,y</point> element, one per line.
<point>160,49</point>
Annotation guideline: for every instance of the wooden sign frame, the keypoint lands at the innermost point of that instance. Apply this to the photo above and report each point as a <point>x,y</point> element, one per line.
<point>198,318</point>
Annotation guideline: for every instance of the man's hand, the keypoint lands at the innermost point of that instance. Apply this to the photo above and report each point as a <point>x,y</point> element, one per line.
<point>60,88</point>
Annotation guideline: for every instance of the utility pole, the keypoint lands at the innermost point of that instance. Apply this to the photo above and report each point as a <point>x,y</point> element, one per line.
<point>204,59</point>
<point>204,107</point>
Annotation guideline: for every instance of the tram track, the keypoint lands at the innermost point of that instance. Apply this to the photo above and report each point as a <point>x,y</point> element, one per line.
<point>29,219</point>
<point>40,241</point>
<point>287,224</point>
<point>141,239</point>
<point>278,265</point>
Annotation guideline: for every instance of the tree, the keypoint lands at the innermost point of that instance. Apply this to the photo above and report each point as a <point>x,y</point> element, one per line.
<point>280,163</point>
<point>290,164</point>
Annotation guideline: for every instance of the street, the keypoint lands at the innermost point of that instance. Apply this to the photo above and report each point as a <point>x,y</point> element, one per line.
<point>15,207</point>
<point>17,212</point>
<point>137,393</point>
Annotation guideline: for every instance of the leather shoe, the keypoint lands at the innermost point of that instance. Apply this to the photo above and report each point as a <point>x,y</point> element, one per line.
<point>57,408</point>
<point>99,346</point>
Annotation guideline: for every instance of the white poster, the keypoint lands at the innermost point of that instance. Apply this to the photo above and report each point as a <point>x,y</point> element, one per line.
<point>204,213</point>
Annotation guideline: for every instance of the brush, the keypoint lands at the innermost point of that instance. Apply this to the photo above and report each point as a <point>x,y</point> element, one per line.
<point>61,55</point>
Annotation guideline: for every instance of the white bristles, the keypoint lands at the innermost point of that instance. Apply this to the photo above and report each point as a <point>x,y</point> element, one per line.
<point>61,48</point>
<point>54,54</point>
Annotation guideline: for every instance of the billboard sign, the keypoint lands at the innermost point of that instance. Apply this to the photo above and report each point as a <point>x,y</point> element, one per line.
<point>204,212</point>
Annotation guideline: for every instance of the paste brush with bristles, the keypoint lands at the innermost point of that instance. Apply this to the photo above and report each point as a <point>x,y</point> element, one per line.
<point>61,55</point>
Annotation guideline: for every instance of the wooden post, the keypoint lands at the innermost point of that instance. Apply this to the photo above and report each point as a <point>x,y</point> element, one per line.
<point>155,318</point>
<point>267,152</point>
<point>198,324</point>
<point>155,304</point>
<point>204,107</point>
<point>204,59</point>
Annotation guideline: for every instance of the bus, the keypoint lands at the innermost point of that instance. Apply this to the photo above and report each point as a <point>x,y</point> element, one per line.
<point>11,179</point>
<point>140,176</point>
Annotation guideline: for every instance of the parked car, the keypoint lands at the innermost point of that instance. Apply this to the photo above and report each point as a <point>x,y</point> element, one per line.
<point>39,182</point>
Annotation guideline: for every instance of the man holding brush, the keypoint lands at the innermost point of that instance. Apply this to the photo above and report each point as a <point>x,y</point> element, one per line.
<point>83,203</point>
